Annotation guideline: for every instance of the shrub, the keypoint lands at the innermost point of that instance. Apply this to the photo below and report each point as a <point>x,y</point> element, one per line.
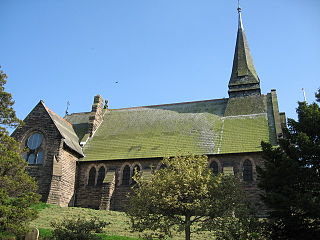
<point>244,228</point>
<point>79,228</point>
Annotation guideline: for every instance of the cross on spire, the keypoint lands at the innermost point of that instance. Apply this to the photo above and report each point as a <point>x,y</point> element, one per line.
<point>239,8</point>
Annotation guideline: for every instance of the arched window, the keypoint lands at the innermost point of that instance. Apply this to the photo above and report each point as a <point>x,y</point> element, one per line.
<point>214,167</point>
<point>247,170</point>
<point>126,175</point>
<point>136,169</point>
<point>101,175</point>
<point>92,176</point>
<point>34,154</point>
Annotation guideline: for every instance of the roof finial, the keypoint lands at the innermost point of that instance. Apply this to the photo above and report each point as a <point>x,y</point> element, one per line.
<point>304,95</point>
<point>68,104</point>
<point>239,8</point>
<point>240,18</point>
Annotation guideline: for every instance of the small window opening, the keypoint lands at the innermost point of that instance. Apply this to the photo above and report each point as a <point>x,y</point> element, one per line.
<point>92,177</point>
<point>126,175</point>
<point>247,171</point>
<point>214,167</point>
<point>101,175</point>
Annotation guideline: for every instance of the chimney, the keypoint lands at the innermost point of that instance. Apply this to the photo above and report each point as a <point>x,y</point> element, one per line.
<point>97,113</point>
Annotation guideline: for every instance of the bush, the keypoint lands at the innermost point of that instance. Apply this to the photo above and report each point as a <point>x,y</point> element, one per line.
<point>79,228</point>
<point>232,228</point>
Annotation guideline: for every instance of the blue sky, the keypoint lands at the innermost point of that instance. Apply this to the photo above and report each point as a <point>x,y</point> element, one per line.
<point>159,51</point>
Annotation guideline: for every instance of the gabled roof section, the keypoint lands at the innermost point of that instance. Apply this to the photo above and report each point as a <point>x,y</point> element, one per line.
<point>66,130</point>
<point>244,76</point>
<point>80,123</point>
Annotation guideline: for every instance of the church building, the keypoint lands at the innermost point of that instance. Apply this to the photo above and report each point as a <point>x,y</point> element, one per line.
<point>87,159</point>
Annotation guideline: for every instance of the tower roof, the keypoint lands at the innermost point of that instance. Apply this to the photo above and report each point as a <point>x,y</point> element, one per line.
<point>244,79</point>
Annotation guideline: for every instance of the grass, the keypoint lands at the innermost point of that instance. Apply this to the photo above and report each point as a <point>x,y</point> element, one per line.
<point>118,229</point>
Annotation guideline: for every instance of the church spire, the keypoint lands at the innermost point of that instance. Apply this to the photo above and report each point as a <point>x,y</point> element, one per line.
<point>244,80</point>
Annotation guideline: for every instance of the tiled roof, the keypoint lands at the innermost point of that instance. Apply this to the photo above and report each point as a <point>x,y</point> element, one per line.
<point>79,122</point>
<point>205,127</point>
<point>66,130</point>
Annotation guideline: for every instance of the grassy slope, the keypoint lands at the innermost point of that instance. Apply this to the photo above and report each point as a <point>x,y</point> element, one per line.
<point>119,223</point>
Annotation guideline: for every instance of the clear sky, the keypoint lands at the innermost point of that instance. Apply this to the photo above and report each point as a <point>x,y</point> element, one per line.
<point>146,52</point>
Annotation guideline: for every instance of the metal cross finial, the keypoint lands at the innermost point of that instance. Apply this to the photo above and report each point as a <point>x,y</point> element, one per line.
<point>68,104</point>
<point>239,8</point>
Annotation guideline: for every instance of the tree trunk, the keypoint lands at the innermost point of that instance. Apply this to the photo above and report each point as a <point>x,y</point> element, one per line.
<point>187,227</point>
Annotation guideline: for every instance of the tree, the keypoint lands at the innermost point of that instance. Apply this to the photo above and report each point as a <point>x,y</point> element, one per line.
<point>291,177</point>
<point>17,188</point>
<point>186,193</point>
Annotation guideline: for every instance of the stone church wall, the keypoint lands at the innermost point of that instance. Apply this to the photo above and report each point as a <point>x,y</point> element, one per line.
<point>68,177</point>
<point>56,174</point>
<point>250,187</point>
<point>91,196</point>
<point>39,121</point>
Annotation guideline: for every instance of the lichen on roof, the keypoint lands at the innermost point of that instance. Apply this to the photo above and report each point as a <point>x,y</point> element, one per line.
<point>166,130</point>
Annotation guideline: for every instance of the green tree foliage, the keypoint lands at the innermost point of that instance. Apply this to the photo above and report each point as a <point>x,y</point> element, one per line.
<point>185,193</point>
<point>79,228</point>
<point>243,227</point>
<point>7,113</point>
<point>16,186</point>
<point>291,177</point>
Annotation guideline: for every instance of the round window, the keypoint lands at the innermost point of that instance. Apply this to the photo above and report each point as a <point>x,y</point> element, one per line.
<point>34,155</point>
<point>34,141</point>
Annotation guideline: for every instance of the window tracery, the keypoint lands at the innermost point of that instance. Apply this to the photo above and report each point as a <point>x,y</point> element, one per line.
<point>35,152</point>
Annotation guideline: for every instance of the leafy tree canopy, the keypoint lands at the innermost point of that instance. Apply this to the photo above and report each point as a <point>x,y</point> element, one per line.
<point>291,177</point>
<point>186,193</point>
<point>7,114</point>
<point>17,188</point>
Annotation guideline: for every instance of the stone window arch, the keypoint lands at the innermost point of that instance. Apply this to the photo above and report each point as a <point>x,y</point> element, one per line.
<point>34,145</point>
<point>126,175</point>
<point>101,175</point>
<point>214,167</point>
<point>247,170</point>
<point>92,176</point>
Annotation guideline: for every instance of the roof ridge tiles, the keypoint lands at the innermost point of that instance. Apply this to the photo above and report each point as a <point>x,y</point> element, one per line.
<point>169,104</point>
<point>78,113</point>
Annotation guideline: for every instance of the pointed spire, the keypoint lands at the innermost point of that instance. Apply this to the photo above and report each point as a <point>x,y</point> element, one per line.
<point>244,80</point>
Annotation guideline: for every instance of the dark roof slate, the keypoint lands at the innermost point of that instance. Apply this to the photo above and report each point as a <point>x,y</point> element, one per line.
<point>66,130</point>
<point>243,70</point>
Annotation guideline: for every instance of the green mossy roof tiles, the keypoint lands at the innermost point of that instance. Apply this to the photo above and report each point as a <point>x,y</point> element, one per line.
<point>79,122</point>
<point>246,105</point>
<point>166,130</point>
